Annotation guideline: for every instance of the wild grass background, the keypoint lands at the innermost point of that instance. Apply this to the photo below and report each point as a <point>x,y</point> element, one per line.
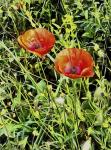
<point>30,117</point>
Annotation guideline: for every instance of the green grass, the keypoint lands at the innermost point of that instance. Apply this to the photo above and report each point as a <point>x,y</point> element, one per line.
<point>30,117</point>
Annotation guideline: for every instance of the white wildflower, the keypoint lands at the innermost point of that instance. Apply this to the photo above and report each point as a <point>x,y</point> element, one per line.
<point>86,145</point>
<point>99,92</point>
<point>59,100</point>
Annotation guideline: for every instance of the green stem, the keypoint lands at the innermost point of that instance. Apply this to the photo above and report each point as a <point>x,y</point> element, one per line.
<point>62,78</point>
<point>21,66</point>
<point>51,58</point>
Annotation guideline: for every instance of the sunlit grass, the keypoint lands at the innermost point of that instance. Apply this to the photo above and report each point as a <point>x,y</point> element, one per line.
<point>30,116</point>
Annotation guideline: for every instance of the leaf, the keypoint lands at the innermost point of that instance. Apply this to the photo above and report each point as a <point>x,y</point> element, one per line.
<point>86,34</point>
<point>41,86</point>
<point>96,47</point>
<point>78,111</point>
<point>17,99</point>
<point>99,118</point>
<point>23,142</point>
<point>9,129</point>
<point>86,14</point>
<point>28,1</point>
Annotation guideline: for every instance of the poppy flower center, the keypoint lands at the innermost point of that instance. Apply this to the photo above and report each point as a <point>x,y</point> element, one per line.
<point>69,69</point>
<point>34,46</point>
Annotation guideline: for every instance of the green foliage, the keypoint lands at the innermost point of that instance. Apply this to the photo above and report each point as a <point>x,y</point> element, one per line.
<point>30,117</point>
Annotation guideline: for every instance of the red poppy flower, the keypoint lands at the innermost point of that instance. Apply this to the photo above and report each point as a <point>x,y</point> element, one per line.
<point>74,63</point>
<point>38,41</point>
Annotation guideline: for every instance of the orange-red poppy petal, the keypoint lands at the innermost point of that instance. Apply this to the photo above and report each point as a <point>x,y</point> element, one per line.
<point>74,63</point>
<point>38,41</point>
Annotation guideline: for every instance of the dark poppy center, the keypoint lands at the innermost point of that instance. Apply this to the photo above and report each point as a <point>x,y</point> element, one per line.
<point>34,46</point>
<point>69,69</point>
<point>73,69</point>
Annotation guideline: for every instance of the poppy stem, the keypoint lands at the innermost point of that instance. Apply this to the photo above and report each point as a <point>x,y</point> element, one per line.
<point>51,58</point>
<point>60,83</point>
